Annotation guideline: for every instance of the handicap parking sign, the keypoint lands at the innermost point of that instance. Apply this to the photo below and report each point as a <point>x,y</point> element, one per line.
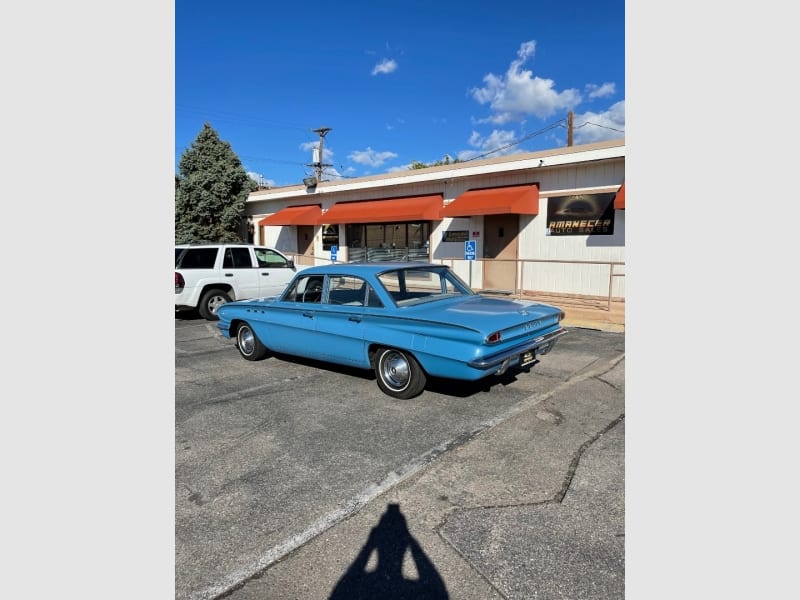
<point>469,250</point>
<point>334,252</point>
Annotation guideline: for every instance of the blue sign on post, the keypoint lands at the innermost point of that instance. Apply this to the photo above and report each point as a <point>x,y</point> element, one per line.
<point>469,250</point>
<point>334,252</point>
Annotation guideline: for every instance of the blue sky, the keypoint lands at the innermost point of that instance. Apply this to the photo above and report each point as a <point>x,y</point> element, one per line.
<point>395,82</point>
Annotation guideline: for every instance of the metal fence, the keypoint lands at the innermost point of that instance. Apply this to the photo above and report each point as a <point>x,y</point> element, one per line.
<point>387,254</point>
<point>585,283</point>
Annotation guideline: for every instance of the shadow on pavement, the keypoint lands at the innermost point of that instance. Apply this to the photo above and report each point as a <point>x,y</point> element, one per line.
<point>390,540</point>
<point>188,315</point>
<point>439,385</point>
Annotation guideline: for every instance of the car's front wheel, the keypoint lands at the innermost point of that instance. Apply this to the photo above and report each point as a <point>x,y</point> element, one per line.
<point>210,303</point>
<point>250,347</point>
<point>398,373</point>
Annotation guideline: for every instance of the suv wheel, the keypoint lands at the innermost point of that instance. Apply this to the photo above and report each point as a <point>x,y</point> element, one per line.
<point>210,302</point>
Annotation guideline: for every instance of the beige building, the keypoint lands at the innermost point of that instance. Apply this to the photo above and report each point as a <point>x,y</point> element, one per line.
<point>549,222</point>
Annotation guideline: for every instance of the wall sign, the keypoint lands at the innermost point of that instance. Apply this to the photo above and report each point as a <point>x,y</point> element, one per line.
<point>582,214</point>
<point>455,236</point>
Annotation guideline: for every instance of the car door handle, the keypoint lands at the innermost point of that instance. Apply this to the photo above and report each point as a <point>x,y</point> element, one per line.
<point>228,274</point>
<point>309,315</point>
<point>356,319</point>
<point>265,274</point>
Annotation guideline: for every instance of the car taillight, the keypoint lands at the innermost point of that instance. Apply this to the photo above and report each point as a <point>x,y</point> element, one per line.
<point>493,338</point>
<point>179,282</point>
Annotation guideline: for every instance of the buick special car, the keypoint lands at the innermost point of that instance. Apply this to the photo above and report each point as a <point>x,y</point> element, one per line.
<point>406,321</point>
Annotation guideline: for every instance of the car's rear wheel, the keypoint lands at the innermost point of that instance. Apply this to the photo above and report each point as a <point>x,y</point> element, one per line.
<point>210,303</point>
<point>250,347</point>
<point>398,373</point>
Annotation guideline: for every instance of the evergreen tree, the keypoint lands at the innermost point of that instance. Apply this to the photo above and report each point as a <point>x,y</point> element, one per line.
<point>210,191</point>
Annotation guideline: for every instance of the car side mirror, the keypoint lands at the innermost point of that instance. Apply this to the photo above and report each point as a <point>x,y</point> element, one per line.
<point>290,263</point>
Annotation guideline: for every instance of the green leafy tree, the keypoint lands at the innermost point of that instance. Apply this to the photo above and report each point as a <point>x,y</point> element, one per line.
<point>415,164</point>
<point>210,191</point>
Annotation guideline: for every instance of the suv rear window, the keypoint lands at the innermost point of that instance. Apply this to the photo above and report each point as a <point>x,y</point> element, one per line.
<point>198,258</point>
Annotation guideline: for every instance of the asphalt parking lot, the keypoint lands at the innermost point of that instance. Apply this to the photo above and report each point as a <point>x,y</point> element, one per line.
<point>283,468</point>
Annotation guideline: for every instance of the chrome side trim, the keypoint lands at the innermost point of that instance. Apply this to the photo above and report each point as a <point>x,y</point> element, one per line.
<point>496,359</point>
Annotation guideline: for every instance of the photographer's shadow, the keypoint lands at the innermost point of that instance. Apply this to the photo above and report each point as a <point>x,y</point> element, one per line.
<point>390,539</point>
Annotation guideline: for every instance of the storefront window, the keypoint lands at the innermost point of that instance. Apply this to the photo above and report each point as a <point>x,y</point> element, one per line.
<point>355,236</point>
<point>388,241</point>
<point>330,236</point>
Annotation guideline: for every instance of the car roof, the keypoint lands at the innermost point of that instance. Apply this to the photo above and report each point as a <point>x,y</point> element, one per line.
<point>368,268</point>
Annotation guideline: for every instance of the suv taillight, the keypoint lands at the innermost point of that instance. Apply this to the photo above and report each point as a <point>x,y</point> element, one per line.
<point>179,283</point>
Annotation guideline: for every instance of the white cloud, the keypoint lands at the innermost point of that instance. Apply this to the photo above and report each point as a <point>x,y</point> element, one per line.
<point>519,93</point>
<point>601,91</point>
<point>495,142</point>
<point>597,127</point>
<point>370,157</point>
<point>387,65</point>
<point>327,153</point>
<point>330,174</point>
<point>260,179</point>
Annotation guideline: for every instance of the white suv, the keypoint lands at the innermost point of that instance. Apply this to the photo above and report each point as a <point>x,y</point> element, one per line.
<point>209,275</point>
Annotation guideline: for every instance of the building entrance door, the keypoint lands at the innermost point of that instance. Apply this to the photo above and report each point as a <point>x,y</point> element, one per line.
<point>305,242</point>
<point>500,244</point>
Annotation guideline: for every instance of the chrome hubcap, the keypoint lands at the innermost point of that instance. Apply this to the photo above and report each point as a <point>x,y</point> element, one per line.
<point>395,370</point>
<point>247,341</point>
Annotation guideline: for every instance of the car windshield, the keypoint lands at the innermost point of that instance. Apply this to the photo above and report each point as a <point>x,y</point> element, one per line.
<point>417,285</point>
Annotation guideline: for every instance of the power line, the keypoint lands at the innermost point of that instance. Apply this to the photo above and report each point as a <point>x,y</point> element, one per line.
<point>598,125</point>
<point>558,123</point>
<point>319,166</point>
<point>236,118</point>
<point>293,163</point>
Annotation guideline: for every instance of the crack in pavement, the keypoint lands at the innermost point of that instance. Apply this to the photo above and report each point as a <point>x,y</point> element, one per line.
<point>348,509</point>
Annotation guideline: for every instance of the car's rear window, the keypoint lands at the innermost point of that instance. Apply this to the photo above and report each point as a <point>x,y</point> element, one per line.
<point>199,258</point>
<point>412,286</point>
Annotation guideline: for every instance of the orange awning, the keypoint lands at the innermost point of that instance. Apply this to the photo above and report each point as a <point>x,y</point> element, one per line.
<point>619,199</point>
<point>419,208</point>
<point>294,215</point>
<point>517,199</point>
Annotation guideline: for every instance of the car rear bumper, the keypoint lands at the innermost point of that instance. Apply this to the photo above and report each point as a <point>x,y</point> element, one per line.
<point>510,357</point>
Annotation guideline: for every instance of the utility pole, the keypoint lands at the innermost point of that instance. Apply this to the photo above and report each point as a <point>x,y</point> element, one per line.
<point>317,163</point>
<point>570,118</point>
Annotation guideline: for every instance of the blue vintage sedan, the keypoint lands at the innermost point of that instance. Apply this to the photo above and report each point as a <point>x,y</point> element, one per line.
<point>404,320</point>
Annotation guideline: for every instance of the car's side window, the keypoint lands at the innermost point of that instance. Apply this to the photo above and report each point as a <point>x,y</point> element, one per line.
<point>391,283</point>
<point>270,258</point>
<point>372,298</point>
<point>347,290</point>
<point>305,289</point>
<point>237,258</point>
